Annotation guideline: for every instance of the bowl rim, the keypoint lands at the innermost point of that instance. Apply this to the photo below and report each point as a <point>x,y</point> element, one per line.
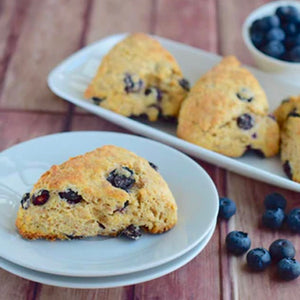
<point>264,10</point>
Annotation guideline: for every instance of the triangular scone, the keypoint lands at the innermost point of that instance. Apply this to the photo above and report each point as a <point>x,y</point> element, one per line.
<point>101,192</point>
<point>139,77</point>
<point>288,117</point>
<point>227,112</point>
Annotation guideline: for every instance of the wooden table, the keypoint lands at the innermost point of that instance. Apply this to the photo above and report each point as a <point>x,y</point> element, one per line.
<point>37,35</point>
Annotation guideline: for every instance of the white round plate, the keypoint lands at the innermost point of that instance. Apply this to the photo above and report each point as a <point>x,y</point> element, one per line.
<point>21,166</point>
<point>110,281</point>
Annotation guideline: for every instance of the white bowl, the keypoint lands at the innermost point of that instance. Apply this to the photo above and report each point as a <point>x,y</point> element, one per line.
<point>286,70</point>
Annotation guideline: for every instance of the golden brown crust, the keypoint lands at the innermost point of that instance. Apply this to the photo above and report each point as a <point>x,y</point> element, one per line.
<point>288,117</point>
<point>153,70</point>
<point>149,202</point>
<point>209,115</point>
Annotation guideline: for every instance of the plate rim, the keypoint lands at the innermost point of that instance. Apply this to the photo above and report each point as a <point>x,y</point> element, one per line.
<point>187,257</point>
<point>212,157</point>
<point>144,266</point>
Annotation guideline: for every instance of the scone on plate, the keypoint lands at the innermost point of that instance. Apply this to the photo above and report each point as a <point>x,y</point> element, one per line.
<point>104,192</point>
<point>288,117</point>
<point>227,112</point>
<point>139,77</point>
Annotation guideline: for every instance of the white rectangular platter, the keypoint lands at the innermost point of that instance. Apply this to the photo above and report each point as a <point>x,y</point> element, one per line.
<point>69,80</point>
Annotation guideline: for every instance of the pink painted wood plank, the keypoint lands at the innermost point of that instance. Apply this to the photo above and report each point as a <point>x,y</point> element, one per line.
<point>50,32</point>
<point>16,127</point>
<point>49,292</point>
<point>111,17</point>
<point>91,122</point>
<point>231,16</point>
<point>192,22</point>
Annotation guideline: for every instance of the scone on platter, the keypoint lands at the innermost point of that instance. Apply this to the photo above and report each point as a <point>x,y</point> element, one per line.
<point>106,192</point>
<point>288,117</point>
<point>227,112</point>
<point>139,77</point>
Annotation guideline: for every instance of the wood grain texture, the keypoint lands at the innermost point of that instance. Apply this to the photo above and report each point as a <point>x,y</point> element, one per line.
<point>117,16</point>
<point>88,122</point>
<point>46,292</point>
<point>192,22</point>
<point>14,287</point>
<point>16,127</point>
<point>231,16</point>
<point>50,32</point>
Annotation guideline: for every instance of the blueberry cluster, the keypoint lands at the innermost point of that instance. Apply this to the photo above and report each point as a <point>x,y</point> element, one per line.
<point>274,217</point>
<point>278,35</point>
<point>282,252</point>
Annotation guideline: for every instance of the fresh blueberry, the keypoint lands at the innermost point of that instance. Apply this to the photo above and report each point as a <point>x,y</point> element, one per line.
<point>293,220</point>
<point>287,13</point>
<point>287,169</point>
<point>227,208</point>
<point>275,34</point>
<point>256,26</point>
<point>245,121</point>
<point>290,29</point>
<point>25,202</point>
<point>273,48</point>
<point>275,200</point>
<point>132,232</point>
<point>281,248</point>
<point>70,196</point>
<point>292,41</point>
<point>288,269</point>
<point>265,23</point>
<point>257,38</point>
<point>273,218</point>
<point>40,198</point>
<point>237,242</point>
<point>258,259</point>
<point>294,54</point>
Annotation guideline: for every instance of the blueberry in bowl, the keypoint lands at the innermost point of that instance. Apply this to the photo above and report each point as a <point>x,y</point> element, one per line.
<point>272,35</point>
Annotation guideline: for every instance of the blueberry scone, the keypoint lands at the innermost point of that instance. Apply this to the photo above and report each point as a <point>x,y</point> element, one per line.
<point>227,112</point>
<point>288,117</point>
<point>104,192</point>
<point>139,77</point>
